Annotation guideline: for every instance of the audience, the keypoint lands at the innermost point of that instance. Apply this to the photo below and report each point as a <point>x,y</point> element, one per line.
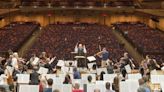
<point>64,38</point>
<point>15,34</point>
<point>144,38</point>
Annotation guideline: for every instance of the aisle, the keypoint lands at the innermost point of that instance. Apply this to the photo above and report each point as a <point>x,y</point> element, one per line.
<point>132,51</point>
<point>23,50</point>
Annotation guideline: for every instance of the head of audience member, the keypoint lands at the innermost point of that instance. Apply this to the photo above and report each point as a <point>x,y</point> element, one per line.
<point>115,84</point>
<point>96,90</point>
<point>101,75</point>
<point>50,82</point>
<point>77,86</point>
<point>107,85</point>
<point>145,78</point>
<point>56,90</point>
<point>116,80</point>
<point>67,79</point>
<point>74,69</point>
<point>76,73</point>
<point>89,78</point>
<point>141,81</point>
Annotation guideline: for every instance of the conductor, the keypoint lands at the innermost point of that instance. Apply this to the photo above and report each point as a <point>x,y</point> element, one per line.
<point>81,51</point>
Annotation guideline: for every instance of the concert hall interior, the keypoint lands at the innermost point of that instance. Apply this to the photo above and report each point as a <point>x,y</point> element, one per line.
<point>81,45</point>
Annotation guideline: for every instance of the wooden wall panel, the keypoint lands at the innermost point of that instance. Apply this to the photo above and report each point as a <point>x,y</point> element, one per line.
<point>44,19</point>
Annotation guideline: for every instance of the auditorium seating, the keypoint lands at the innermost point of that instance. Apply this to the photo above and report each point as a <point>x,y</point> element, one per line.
<point>148,41</point>
<point>80,3</point>
<point>60,40</point>
<point>15,34</point>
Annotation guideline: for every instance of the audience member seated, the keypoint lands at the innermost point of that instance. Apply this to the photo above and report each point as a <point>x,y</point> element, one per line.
<point>143,86</point>
<point>115,85</point>
<point>101,75</point>
<point>56,90</point>
<point>96,90</point>
<point>89,79</point>
<point>67,79</point>
<point>76,73</point>
<point>107,85</point>
<point>77,88</point>
<point>49,86</point>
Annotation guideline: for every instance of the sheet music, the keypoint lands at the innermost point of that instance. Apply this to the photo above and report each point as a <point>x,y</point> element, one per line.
<point>129,85</point>
<point>23,78</point>
<point>10,69</point>
<point>85,78</point>
<point>29,88</point>
<point>52,60</point>
<point>154,72</point>
<point>155,79</point>
<point>67,63</point>
<point>134,76</point>
<point>128,68</point>
<point>43,70</point>
<point>91,58</point>
<point>63,87</point>
<point>36,61</point>
<point>60,78</point>
<point>162,68</point>
<point>109,77</point>
<point>60,63</point>
<point>48,76</point>
<point>67,69</point>
<point>90,65</point>
<point>162,86</point>
<point>132,84</point>
<point>123,87</point>
<point>77,57</point>
<point>99,70</point>
<point>92,87</point>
